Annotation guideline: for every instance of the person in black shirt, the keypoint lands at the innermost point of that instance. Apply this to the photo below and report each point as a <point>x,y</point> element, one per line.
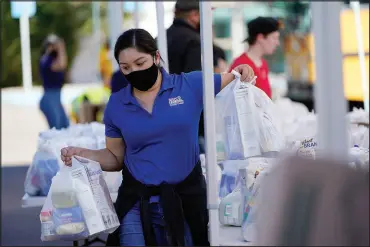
<point>184,46</point>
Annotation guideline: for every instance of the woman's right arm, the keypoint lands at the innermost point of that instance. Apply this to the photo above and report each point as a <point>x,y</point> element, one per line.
<point>110,158</point>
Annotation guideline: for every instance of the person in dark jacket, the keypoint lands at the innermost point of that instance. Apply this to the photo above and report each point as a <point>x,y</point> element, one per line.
<point>184,46</point>
<point>151,127</point>
<point>183,39</point>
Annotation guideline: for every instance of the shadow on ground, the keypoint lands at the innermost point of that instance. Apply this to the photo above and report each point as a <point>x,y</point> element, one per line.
<point>20,226</point>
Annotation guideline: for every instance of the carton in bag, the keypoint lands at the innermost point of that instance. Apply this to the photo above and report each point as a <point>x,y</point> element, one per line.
<point>241,132</point>
<point>78,204</point>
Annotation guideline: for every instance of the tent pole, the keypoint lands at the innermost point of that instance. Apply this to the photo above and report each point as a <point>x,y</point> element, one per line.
<point>209,119</point>
<point>330,103</point>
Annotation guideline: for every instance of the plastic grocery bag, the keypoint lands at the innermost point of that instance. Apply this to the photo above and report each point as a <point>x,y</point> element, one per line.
<point>231,209</point>
<point>359,158</point>
<point>233,205</point>
<point>307,148</point>
<point>358,116</point>
<point>359,136</point>
<point>236,128</point>
<point>78,204</point>
<point>246,124</point>
<point>46,162</point>
<point>113,180</point>
<point>61,216</point>
<point>44,166</point>
<point>251,207</point>
<point>229,176</point>
<point>271,138</point>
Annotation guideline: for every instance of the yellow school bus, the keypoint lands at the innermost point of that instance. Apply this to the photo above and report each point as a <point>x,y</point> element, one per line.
<point>351,63</point>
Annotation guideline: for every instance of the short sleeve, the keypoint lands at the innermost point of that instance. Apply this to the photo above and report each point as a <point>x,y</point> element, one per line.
<point>118,81</point>
<point>111,130</point>
<point>195,82</point>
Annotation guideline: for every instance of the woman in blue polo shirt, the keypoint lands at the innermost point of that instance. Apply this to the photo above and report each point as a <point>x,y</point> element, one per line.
<point>53,63</point>
<point>152,136</point>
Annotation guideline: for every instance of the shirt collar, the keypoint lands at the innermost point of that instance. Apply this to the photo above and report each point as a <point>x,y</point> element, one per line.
<point>167,83</point>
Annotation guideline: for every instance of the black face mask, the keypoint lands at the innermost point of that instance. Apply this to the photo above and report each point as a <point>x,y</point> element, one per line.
<point>143,80</point>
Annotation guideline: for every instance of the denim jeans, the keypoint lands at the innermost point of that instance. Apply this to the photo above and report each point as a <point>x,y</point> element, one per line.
<point>131,232</point>
<point>51,106</point>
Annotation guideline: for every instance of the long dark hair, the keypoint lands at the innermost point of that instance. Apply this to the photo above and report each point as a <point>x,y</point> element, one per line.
<point>137,38</point>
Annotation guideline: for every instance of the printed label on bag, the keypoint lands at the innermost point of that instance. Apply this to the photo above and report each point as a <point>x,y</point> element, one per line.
<point>308,143</point>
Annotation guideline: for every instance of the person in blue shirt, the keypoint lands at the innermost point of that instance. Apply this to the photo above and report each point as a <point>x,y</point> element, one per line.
<point>52,67</point>
<point>151,129</point>
<point>118,81</point>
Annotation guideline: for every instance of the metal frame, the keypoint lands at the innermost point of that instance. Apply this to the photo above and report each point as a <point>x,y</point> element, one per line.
<point>115,20</point>
<point>330,102</point>
<point>209,119</point>
<point>361,53</point>
<point>162,36</point>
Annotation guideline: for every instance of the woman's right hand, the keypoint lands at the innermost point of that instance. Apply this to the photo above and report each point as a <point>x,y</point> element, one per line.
<point>67,153</point>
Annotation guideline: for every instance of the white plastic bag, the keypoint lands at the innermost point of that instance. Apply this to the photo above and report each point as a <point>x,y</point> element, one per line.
<point>113,180</point>
<point>251,207</point>
<point>78,204</point>
<point>246,125</point>
<point>45,165</point>
<point>61,216</point>
<point>229,176</point>
<point>359,158</point>
<point>359,136</point>
<point>46,162</point>
<point>231,209</point>
<point>271,138</point>
<point>358,116</point>
<point>236,128</point>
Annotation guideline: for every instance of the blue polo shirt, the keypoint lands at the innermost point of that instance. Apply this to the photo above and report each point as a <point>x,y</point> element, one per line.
<point>50,79</point>
<point>118,81</point>
<point>162,146</point>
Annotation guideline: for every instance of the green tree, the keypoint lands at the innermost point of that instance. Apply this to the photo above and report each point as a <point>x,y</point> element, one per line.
<point>66,19</point>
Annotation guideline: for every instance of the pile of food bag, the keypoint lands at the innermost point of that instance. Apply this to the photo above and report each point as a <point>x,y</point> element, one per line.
<point>251,134</point>
<point>78,204</point>
<point>46,161</point>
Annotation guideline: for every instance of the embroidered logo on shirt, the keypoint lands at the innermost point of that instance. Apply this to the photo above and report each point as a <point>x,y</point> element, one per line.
<point>175,101</point>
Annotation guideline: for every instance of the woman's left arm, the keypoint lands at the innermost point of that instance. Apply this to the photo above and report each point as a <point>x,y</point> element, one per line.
<point>244,70</point>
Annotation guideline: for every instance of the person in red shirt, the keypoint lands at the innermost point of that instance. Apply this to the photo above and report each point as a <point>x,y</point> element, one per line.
<point>263,39</point>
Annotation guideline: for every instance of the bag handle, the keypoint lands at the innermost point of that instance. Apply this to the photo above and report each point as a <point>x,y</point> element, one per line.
<point>238,82</point>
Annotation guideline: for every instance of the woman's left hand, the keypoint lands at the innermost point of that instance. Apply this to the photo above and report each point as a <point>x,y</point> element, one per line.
<point>246,72</point>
